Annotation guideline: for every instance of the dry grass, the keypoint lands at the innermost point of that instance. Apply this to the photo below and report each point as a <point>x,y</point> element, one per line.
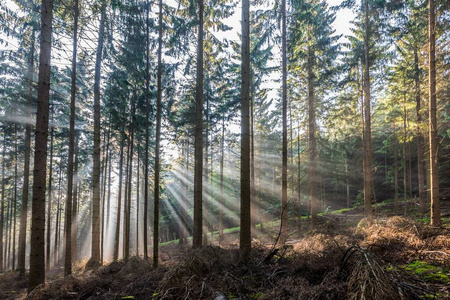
<point>327,263</point>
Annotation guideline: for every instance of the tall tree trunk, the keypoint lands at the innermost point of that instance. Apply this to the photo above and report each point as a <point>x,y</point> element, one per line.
<point>119,198</point>
<point>128,197</point>
<point>26,167</point>
<point>7,232</point>
<point>75,205</point>
<point>367,126</point>
<point>299,195</point>
<point>222,158</point>
<point>137,199</point>
<point>50,194</point>
<point>434,175</point>
<point>94,261</point>
<point>105,167</point>
<point>312,138</point>
<point>252,156</point>
<point>198,172</point>
<point>405,178</point>
<point>284,203</point>
<point>2,208</point>
<point>37,243</point>
<point>347,184</point>
<point>245,232</point>
<point>420,176</point>
<point>206,186</point>
<point>147,124</point>
<point>68,217</point>
<point>395,173</point>
<point>15,197</point>
<point>157,144</point>
<point>58,217</point>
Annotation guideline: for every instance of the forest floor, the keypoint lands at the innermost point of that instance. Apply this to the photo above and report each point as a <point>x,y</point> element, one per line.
<point>345,257</point>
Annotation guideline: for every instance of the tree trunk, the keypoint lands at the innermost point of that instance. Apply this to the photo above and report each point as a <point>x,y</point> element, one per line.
<point>147,124</point>
<point>312,138</point>
<point>420,175</point>
<point>395,173</point>
<point>15,197</point>
<point>198,172</point>
<point>105,167</point>
<point>75,205</point>
<point>405,178</point>
<point>128,196</point>
<point>157,144</point>
<point>367,126</point>
<point>245,232</point>
<point>2,208</point>
<point>434,175</point>
<point>49,203</point>
<point>26,171</point>
<point>68,217</point>
<point>299,195</point>
<point>119,198</point>
<point>58,218</point>
<point>137,200</point>
<point>37,243</point>
<point>284,203</point>
<point>94,261</point>
<point>222,158</point>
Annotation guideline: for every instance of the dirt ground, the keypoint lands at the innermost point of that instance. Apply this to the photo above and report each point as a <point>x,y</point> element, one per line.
<point>344,257</point>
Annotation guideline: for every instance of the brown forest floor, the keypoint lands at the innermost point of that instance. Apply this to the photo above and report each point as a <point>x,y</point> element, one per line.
<point>345,257</point>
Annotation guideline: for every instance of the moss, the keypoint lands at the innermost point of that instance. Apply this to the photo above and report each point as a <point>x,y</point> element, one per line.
<point>428,272</point>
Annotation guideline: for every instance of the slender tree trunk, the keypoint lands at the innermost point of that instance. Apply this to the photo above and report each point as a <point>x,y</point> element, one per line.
<point>58,218</point>
<point>299,195</point>
<point>312,138</point>
<point>26,171</point>
<point>7,232</point>
<point>147,125</point>
<point>119,198</point>
<point>367,126</point>
<point>222,158</point>
<point>395,173</point>
<point>128,197</point>
<point>125,200</point>
<point>107,162</point>
<point>95,250</point>
<point>2,208</point>
<point>347,184</point>
<point>405,178</point>
<point>198,172</point>
<point>75,205</point>
<point>37,244</point>
<point>15,197</point>
<point>137,200</point>
<point>420,176</point>
<point>434,175</point>
<point>157,144</point>
<point>245,232</point>
<point>68,217</point>
<point>49,203</point>
<point>206,186</point>
<point>252,156</point>
<point>284,203</point>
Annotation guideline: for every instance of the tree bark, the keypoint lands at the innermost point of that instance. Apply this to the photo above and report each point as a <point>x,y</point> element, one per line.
<point>26,171</point>
<point>2,208</point>
<point>198,155</point>
<point>245,232</point>
<point>432,125</point>
<point>312,138</point>
<point>37,243</point>
<point>94,261</point>
<point>157,144</point>
<point>68,217</point>
<point>284,203</point>
<point>119,198</point>
<point>147,124</point>
<point>49,203</point>
<point>367,126</point>
<point>74,236</point>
